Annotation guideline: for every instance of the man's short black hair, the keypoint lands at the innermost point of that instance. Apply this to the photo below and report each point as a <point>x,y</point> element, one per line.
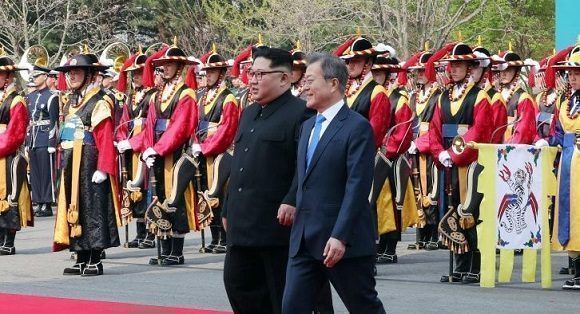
<point>278,57</point>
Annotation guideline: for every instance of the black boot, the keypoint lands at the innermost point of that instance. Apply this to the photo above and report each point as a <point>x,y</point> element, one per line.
<point>7,247</point>
<point>165,251</point>
<point>148,242</point>
<point>176,255</point>
<point>82,257</point>
<point>47,210</point>
<point>473,275</point>
<point>2,236</point>
<point>141,233</point>
<point>94,266</point>
<point>574,283</point>
<point>221,247</point>
<point>390,255</point>
<point>215,237</point>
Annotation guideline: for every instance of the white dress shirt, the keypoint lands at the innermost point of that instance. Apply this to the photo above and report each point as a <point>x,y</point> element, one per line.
<point>329,114</point>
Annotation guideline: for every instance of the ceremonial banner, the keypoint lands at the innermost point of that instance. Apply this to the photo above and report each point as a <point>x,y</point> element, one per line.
<point>517,183</point>
<point>518,190</point>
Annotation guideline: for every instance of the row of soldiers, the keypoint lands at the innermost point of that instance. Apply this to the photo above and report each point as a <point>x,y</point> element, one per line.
<point>158,140</point>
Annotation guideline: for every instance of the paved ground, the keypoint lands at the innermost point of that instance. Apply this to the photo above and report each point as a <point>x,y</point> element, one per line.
<point>411,286</point>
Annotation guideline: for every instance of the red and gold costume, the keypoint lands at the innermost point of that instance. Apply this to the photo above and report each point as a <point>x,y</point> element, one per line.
<point>15,203</point>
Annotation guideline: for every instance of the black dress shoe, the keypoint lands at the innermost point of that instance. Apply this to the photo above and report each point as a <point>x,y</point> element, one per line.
<point>75,269</point>
<point>219,249</point>
<point>431,246</point>
<point>470,278</point>
<point>92,270</point>
<point>416,246</point>
<point>155,261</point>
<point>147,244</point>
<point>134,243</point>
<point>7,250</point>
<point>456,277</point>
<point>567,271</point>
<point>573,284</point>
<point>387,259</point>
<point>173,260</point>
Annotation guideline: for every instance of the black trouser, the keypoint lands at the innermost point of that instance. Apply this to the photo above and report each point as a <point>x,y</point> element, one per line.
<point>352,278</point>
<point>254,278</point>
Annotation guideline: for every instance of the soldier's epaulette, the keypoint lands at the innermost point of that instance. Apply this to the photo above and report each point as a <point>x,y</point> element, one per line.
<point>18,98</point>
<point>107,98</point>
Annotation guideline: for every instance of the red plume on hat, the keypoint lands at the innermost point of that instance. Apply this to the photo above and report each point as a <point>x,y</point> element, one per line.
<point>122,83</point>
<point>430,72</point>
<point>61,82</point>
<point>190,78</point>
<point>342,48</point>
<point>550,76</point>
<point>244,55</point>
<point>148,79</point>
<point>205,56</point>
<point>402,76</point>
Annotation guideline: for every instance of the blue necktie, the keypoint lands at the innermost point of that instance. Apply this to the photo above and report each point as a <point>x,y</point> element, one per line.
<point>315,137</point>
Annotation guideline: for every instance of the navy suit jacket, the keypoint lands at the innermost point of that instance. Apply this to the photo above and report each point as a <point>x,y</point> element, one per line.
<point>332,194</point>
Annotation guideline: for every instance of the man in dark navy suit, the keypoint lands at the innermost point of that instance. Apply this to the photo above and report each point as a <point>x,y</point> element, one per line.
<point>333,235</point>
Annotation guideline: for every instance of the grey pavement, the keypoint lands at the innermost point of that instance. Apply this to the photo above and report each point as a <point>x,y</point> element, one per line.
<point>411,286</point>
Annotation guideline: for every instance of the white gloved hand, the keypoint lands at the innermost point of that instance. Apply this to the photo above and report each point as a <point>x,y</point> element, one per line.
<point>445,159</point>
<point>123,146</point>
<point>413,149</point>
<point>195,149</point>
<point>99,177</point>
<point>541,143</point>
<point>149,152</point>
<point>150,161</point>
<point>51,150</point>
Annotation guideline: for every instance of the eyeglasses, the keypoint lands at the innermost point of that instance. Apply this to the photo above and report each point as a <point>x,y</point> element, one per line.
<point>259,74</point>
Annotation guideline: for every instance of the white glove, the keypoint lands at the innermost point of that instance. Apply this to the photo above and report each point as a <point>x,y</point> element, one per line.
<point>195,149</point>
<point>445,159</point>
<point>51,150</point>
<point>99,177</point>
<point>412,149</point>
<point>148,153</point>
<point>123,146</point>
<point>150,161</point>
<point>541,143</point>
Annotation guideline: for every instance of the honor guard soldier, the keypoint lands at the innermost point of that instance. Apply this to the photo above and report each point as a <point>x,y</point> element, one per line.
<point>395,208</point>
<point>423,101</point>
<point>132,124</point>
<point>363,94</point>
<point>87,214</point>
<point>43,106</point>
<point>218,122</point>
<point>566,230</point>
<point>298,69</point>
<point>462,114</point>
<point>171,121</point>
<point>15,204</point>
<point>521,109</point>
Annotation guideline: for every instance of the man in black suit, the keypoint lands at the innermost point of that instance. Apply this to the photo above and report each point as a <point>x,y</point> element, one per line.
<point>260,205</point>
<point>333,234</point>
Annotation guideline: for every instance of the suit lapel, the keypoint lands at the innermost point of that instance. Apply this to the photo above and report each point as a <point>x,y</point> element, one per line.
<point>303,145</point>
<point>335,125</point>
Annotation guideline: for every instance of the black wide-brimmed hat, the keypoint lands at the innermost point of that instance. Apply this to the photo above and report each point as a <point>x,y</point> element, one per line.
<point>83,61</point>
<point>8,65</point>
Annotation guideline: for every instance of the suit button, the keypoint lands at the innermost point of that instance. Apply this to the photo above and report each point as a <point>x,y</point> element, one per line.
<point>246,149</point>
<point>239,189</point>
<point>252,131</point>
<point>242,169</point>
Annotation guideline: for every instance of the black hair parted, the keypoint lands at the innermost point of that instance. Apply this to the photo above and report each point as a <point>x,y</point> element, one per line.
<point>278,57</point>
